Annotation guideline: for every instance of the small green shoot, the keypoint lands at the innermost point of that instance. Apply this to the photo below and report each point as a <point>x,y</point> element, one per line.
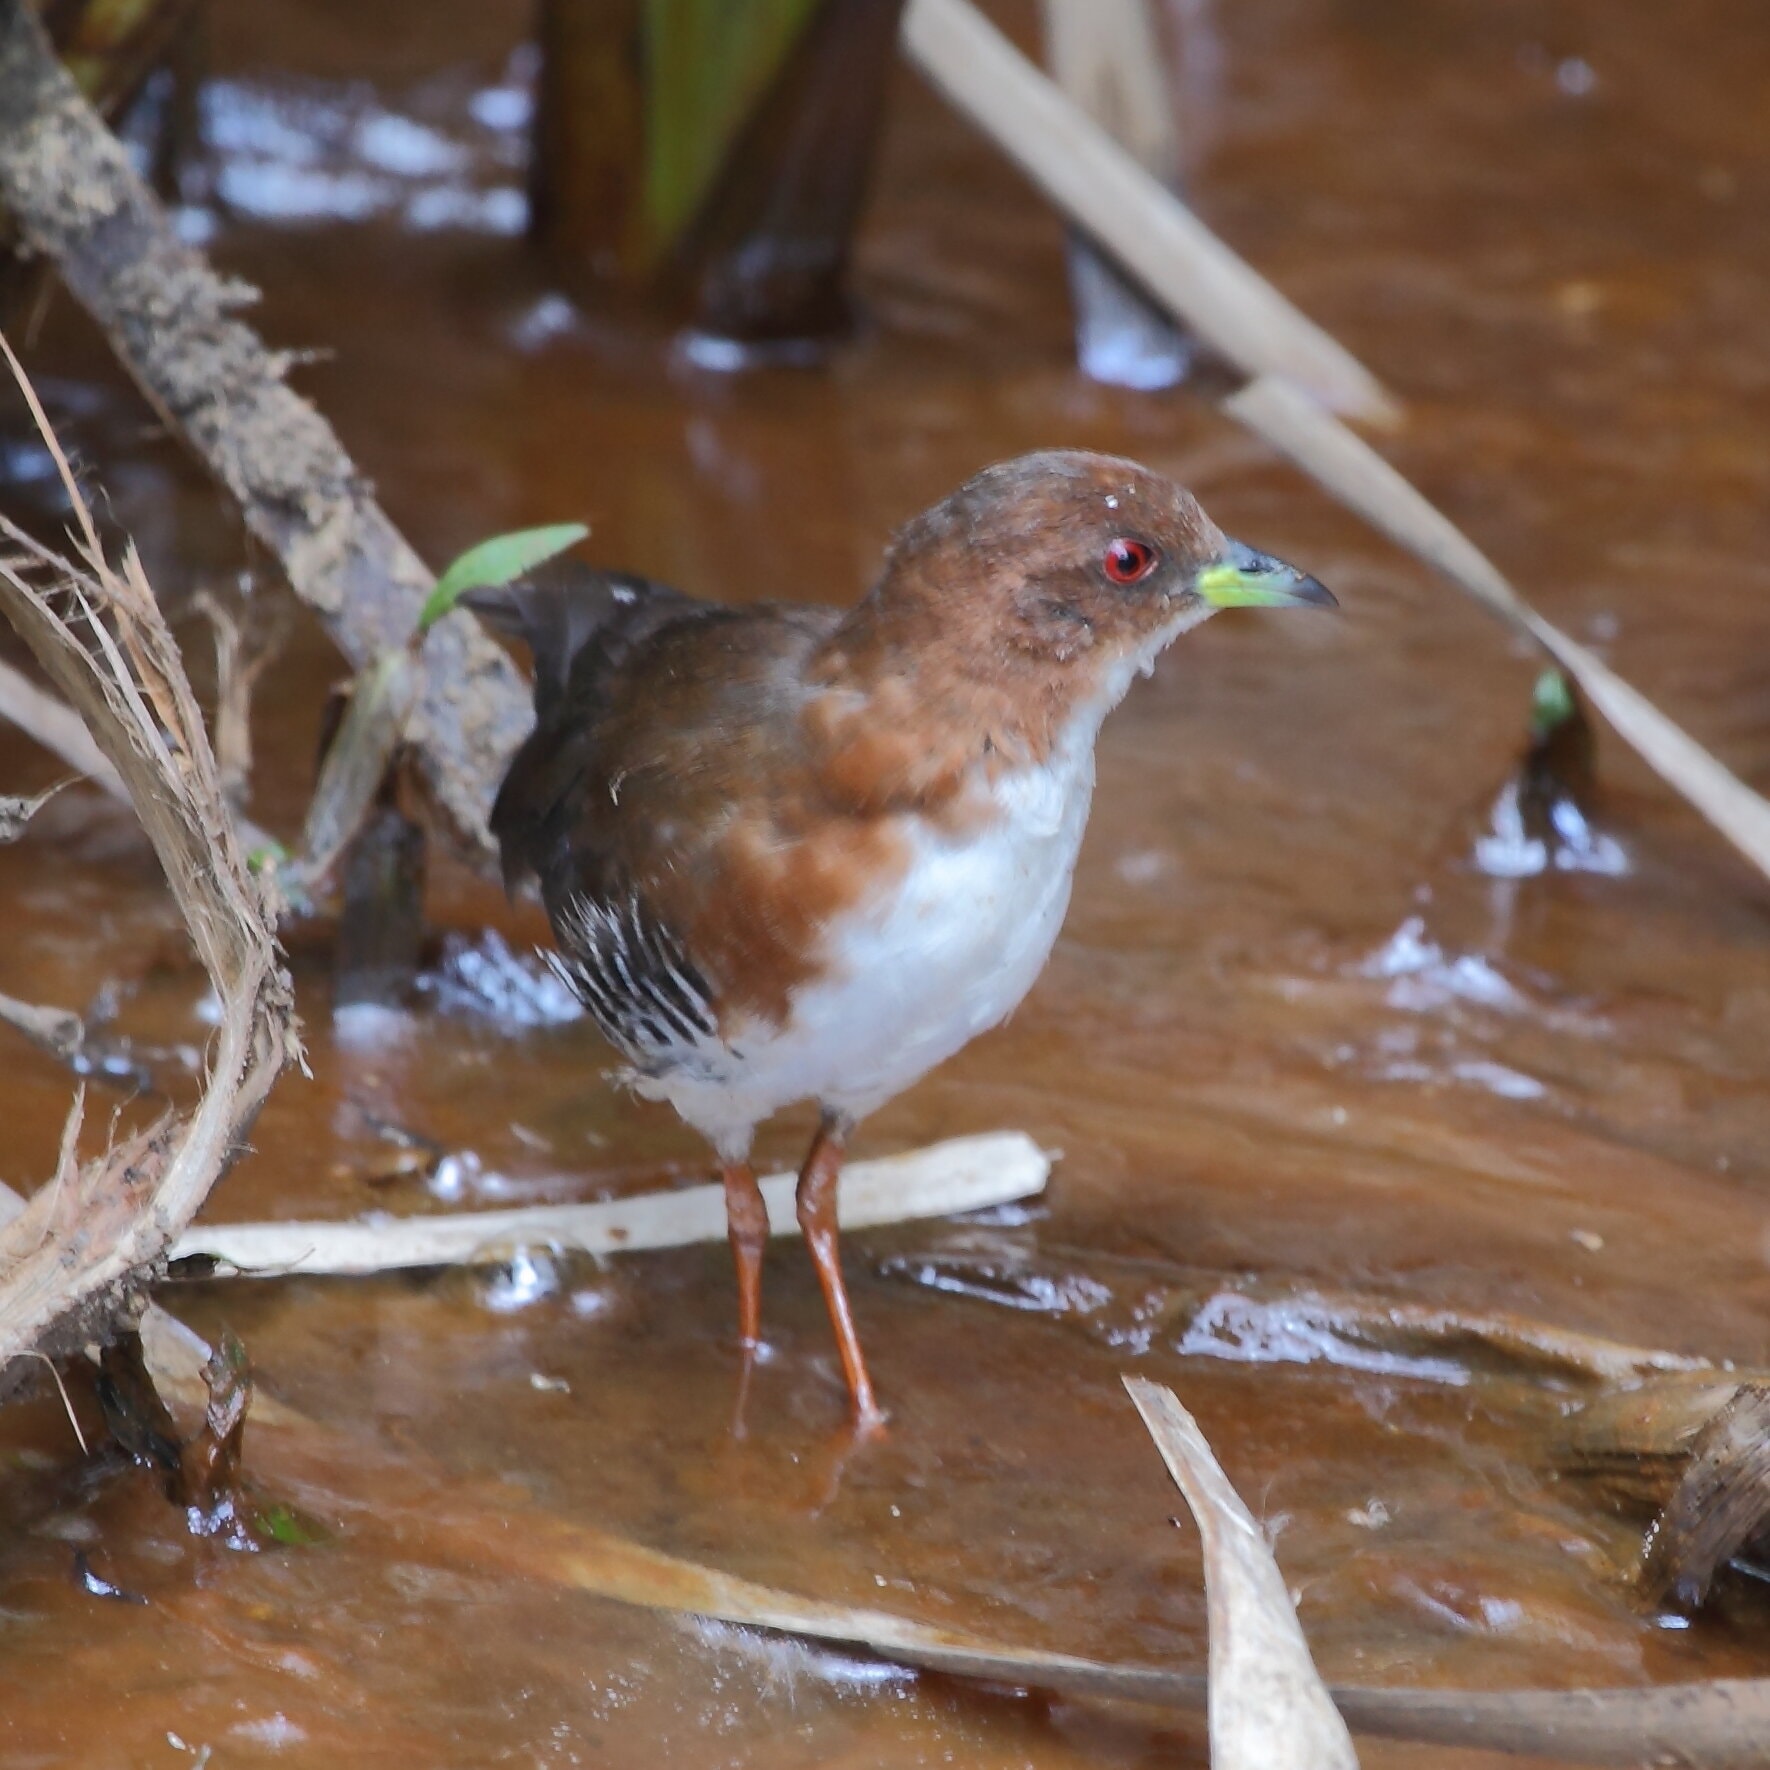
<point>281,1523</point>
<point>495,562</point>
<point>1551,703</point>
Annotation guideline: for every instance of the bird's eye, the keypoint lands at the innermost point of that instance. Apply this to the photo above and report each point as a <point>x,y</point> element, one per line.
<point>1129,562</point>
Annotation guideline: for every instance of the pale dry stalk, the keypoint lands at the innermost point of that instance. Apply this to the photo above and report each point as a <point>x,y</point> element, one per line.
<point>74,1256</point>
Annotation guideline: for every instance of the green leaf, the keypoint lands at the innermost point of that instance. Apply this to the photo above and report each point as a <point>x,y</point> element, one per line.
<point>497,561</point>
<point>708,66</point>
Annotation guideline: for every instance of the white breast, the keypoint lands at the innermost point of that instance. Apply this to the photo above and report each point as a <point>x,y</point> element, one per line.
<point>914,977</point>
<point>961,943</point>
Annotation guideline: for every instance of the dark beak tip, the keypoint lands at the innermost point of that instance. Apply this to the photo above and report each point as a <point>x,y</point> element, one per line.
<point>1249,579</point>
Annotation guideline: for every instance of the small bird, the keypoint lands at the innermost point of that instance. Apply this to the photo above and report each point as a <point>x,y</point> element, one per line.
<point>799,853</point>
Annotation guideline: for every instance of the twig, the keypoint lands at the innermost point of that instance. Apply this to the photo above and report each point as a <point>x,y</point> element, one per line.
<point>65,1272</point>
<point>964,1174</point>
<point>1145,228</point>
<point>17,810</point>
<point>357,767</point>
<point>234,676</point>
<point>70,187</point>
<point>86,1050</point>
<point>1269,1709</point>
<point>239,662</point>
<point>59,1031</point>
<point>61,1389</point>
<point>56,726</point>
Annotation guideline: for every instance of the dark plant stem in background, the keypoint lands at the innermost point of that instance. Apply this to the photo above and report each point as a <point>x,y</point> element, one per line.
<point>587,154</point>
<point>711,158</point>
<point>767,261</point>
<point>381,922</point>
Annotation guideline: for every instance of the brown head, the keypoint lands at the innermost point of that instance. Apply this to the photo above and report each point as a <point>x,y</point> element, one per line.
<point>1037,589</point>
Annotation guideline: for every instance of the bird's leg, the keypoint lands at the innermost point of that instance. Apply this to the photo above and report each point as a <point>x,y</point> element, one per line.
<point>817,1218</point>
<point>746,1223</point>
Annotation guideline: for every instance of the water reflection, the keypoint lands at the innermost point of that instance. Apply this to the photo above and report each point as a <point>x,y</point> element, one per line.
<point>527,1277</point>
<point>306,153</point>
<point>481,974</point>
<point>1512,849</point>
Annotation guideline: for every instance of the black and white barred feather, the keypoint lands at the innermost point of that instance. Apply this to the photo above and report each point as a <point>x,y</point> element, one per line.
<point>633,975</point>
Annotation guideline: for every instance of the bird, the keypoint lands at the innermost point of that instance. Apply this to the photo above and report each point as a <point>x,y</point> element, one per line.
<point>797,853</point>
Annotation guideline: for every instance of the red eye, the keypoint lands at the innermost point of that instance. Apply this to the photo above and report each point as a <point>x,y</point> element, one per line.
<point>1129,562</point>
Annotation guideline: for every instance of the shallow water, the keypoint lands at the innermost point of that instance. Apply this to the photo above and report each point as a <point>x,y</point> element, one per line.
<point>1294,1040</point>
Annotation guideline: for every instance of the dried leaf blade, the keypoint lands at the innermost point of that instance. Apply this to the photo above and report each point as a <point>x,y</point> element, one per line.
<point>1269,1709</point>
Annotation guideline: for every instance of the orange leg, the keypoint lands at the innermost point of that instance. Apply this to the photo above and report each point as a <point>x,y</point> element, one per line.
<point>817,1217</point>
<point>746,1223</point>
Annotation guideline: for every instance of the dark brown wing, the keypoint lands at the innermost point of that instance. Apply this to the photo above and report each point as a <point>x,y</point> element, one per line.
<point>580,626</point>
<point>668,753</point>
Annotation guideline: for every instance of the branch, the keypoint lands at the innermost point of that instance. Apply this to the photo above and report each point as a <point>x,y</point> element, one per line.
<point>69,186</point>
<point>962,1174</point>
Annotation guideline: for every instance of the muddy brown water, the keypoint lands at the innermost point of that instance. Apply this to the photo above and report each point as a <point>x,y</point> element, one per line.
<point>1293,1030</point>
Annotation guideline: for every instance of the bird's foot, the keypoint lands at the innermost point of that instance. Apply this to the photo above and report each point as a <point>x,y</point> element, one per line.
<point>751,1353</point>
<point>869,1422</point>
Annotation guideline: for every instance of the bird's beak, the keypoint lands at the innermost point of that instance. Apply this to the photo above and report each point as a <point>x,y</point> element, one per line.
<point>1243,578</point>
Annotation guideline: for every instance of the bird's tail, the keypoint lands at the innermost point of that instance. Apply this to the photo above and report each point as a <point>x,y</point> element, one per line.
<point>576,621</point>
<point>580,625</point>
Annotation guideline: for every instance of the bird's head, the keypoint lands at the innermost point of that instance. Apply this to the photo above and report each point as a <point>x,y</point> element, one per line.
<point>1014,614</point>
<point>1080,559</point>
